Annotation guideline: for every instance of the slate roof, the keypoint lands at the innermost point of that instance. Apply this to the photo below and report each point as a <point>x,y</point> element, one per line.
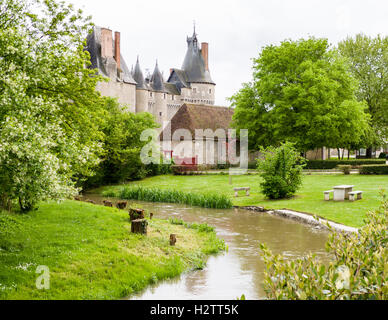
<point>138,76</point>
<point>93,46</point>
<point>157,82</point>
<point>192,116</point>
<point>171,88</point>
<point>193,64</point>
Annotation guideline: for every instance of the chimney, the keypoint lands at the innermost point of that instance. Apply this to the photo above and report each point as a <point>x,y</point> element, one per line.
<point>106,43</point>
<point>117,49</point>
<point>205,54</point>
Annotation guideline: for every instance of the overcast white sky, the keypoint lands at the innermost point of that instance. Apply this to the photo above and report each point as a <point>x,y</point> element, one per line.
<point>235,30</point>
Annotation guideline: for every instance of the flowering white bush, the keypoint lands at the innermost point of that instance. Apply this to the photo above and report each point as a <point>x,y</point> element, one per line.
<point>50,112</point>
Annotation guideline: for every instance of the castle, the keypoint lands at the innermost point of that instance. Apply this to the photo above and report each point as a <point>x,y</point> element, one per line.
<point>191,84</point>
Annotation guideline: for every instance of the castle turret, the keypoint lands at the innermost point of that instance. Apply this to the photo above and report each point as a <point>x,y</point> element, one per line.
<point>141,89</point>
<point>194,80</point>
<point>160,92</point>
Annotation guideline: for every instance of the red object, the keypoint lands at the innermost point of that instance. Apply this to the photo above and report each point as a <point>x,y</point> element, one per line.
<point>192,161</point>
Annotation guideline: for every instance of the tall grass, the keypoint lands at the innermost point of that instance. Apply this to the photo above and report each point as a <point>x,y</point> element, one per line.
<point>216,201</point>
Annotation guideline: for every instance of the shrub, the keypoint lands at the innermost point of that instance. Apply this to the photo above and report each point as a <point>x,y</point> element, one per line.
<point>281,170</point>
<point>216,201</point>
<point>373,169</point>
<point>331,164</point>
<point>383,155</point>
<point>345,168</point>
<point>182,169</point>
<point>358,269</point>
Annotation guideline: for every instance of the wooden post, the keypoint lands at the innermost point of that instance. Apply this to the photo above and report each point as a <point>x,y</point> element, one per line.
<point>136,214</point>
<point>172,239</point>
<point>139,226</point>
<point>107,203</point>
<point>121,204</point>
<point>151,215</point>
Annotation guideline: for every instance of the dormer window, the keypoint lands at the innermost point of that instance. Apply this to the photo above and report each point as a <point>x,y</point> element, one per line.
<point>151,94</point>
<point>195,90</point>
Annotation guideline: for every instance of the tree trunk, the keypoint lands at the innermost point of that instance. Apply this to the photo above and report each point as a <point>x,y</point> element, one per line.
<point>139,226</point>
<point>136,214</point>
<point>172,239</point>
<point>348,154</point>
<point>339,153</point>
<point>369,153</point>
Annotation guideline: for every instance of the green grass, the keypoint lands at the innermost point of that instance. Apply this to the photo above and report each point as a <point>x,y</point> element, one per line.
<point>308,199</point>
<point>205,200</point>
<point>91,253</point>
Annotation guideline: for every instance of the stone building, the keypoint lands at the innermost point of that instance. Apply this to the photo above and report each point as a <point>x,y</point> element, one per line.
<point>190,84</point>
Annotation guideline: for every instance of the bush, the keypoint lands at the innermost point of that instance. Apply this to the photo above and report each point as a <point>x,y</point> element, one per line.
<point>373,169</point>
<point>281,170</point>
<point>216,201</point>
<point>383,155</point>
<point>182,169</point>
<point>331,164</point>
<point>345,168</point>
<point>358,270</point>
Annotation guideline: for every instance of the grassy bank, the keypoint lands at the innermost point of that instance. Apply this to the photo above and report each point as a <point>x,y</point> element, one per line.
<point>205,200</point>
<point>308,199</point>
<point>91,253</point>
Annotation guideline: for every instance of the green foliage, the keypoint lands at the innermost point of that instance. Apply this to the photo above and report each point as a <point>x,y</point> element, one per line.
<point>50,111</point>
<point>217,201</point>
<point>331,164</point>
<point>358,270</point>
<point>203,227</point>
<point>281,171</point>
<point>374,169</point>
<point>383,155</point>
<point>95,245</point>
<point>368,58</point>
<point>303,92</point>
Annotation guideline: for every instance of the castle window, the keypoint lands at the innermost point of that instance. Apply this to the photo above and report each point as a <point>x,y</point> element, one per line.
<point>151,94</point>
<point>160,113</point>
<point>172,97</point>
<point>210,90</point>
<point>195,90</point>
<point>164,96</point>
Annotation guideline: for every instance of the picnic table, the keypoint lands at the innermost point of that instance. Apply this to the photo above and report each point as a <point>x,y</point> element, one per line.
<point>342,192</point>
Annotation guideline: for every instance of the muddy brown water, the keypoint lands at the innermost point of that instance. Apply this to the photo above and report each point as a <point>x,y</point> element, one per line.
<point>239,270</point>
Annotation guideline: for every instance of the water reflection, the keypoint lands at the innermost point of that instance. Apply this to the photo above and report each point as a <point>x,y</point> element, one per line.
<point>240,270</point>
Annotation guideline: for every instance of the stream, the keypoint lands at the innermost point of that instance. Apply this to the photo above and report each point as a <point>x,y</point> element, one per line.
<point>240,270</point>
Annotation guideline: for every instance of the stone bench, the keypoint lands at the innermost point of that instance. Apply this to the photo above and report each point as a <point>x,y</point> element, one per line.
<point>352,195</point>
<point>327,194</point>
<point>246,189</point>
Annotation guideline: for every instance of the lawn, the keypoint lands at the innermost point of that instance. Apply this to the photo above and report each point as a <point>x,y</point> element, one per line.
<point>308,199</point>
<point>91,253</point>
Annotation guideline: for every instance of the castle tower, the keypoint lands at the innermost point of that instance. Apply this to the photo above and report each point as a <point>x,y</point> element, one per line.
<point>160,95</point>
<point>193,79</point>
<point>142,91</point>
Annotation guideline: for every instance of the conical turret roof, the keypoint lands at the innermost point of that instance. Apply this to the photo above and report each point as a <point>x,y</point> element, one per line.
<point>194,65</point>
<point>138,76</point>
<point>157,82</point>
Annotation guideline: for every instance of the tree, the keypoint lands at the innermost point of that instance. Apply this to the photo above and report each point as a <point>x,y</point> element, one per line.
<point>122,145</point>
<point>357,271</point>
<point>368,58</point>
<point>304,92</point>
<point>50,111</point>
<point>281,171</point>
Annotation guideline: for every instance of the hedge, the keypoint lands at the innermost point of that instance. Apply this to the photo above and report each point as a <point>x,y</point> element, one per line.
<point>373,169</point>
<point>331,164</point>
